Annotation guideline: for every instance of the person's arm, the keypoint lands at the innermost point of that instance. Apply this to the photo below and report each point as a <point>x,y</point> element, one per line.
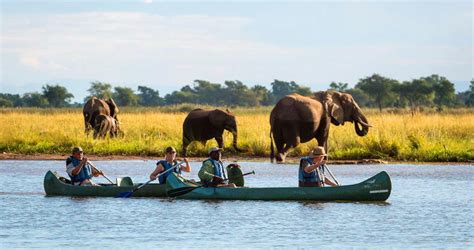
<point>77,169</point>
<point>187,167</point>
<point>96,172</point>
<point>206,173</point>
<point>329,182</point>
<point>159,168</point>
<point>310,168</point>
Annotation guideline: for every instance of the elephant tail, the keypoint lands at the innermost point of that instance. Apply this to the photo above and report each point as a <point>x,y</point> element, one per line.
<point>272,150</point>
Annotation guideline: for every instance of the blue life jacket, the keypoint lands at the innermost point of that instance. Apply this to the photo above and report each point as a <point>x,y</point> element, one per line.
<point>167,165</point>
<point>311,177</point>
<point>218,167</point>
<point>84,174</point>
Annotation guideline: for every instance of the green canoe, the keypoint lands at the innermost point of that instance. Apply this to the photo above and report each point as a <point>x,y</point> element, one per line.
<point>54,186</point>
<point>376,188</point>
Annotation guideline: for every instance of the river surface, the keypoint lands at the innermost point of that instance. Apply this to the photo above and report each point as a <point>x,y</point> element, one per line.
<point>431,206</point>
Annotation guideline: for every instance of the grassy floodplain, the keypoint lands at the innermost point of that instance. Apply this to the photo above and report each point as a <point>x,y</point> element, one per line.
<point>396,135</point>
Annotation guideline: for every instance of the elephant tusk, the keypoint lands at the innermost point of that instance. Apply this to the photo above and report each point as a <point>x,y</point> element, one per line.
<point>364,124</point>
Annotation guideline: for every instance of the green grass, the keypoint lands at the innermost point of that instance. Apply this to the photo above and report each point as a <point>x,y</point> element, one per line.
<point>395,135</point>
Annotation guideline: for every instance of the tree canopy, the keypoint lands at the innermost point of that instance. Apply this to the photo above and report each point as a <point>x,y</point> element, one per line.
<point>372,91</point>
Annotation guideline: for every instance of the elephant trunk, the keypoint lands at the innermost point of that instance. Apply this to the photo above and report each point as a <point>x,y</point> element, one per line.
<point>360,119</point>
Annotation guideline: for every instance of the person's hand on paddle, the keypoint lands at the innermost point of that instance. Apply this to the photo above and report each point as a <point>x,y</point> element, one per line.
<point>152,177</point>
<point>217,179</point>
<point>84,160</point>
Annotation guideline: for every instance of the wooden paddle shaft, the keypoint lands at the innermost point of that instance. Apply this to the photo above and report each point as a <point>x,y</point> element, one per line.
<point>92,165</point>
<point>164,172</point>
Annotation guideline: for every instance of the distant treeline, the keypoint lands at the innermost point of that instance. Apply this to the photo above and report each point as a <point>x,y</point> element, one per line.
<point>373,91</point>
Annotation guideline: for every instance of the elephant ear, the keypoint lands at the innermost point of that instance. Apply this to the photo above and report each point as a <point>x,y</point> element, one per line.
<point>113,107</point>
<point>217,117</point>
<point>333,106</point>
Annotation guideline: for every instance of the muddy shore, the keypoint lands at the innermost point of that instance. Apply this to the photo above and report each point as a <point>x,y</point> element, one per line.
<point>27,157</point>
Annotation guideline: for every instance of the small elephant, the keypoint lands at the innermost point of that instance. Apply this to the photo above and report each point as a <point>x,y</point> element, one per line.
<point>94,107</point>
<point>105,124</point>
<point>202,125</point>
<point>298,119</point>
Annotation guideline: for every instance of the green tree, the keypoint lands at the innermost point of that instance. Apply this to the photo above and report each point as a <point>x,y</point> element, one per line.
<point>418,93</point>
<point>149,97</point>
<point>35,99</point>
<point>470,95</point>
<point>263,95</point>
<point>5,103</point>
<point>379,89</point>
<point>208,93</point>
<point>359,96</point>
<point>444,90</point>
<point>124,96</point>
<point>99,89</point>
<point>15,99</point>
<point>282,88</point>
<point>339,86</point>
<point>57,96</point>
<point>238,94</point>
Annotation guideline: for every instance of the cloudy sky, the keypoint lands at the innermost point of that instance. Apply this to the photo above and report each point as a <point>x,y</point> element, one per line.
<point>168,44</point>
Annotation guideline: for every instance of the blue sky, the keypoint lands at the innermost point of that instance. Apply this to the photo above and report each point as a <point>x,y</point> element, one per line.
<point>166,45</point>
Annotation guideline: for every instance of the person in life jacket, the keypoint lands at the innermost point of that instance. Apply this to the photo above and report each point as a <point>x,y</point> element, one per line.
<point>79,170</point>
<point>169,162</point>
<point>311,170</point>
<point>212,170</point>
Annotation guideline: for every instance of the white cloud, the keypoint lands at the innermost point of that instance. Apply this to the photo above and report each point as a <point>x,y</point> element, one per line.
<point>170,51</point>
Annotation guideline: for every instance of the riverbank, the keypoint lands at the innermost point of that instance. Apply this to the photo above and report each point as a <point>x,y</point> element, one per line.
<point>395,136</point>
<point>289,160</point>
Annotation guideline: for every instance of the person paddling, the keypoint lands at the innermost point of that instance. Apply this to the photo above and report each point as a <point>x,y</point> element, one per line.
<point>212,170</point>
<point>79,169</point>
<point>311,170</point>
<point>167,163</point>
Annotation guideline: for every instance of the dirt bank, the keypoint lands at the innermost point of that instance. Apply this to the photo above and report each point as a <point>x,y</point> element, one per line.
<point>26,157</point>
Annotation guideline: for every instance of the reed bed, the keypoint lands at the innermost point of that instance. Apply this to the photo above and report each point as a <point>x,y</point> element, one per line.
<point>396,135</point>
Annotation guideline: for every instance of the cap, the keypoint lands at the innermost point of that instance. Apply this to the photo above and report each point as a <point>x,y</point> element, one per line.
<point>214,149</point>
<point>170,150</point>
<point>76,150</point>
<point>318,151</point>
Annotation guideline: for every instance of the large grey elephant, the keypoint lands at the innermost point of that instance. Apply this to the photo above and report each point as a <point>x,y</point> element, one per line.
<point>298,119</point>
<point>105,124</point>
<point>94,107</point>
<point>202,125</point>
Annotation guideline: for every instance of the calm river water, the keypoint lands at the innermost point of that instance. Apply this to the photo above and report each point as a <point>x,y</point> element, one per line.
<point>430,206</point>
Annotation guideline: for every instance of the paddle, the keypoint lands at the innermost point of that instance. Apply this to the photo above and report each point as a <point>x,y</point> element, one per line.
<point>184,190</point>
<point>330,173</point>
<point>92,165</point>
<point>129,194</point>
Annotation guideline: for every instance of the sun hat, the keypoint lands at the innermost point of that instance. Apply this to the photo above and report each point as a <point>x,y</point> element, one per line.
<point>318,151</point>
<point>213,149</point>
<point>170,150</point>
<point>76,150</point>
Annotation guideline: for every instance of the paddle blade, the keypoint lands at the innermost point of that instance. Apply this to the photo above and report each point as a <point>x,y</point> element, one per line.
<point>124,195</point>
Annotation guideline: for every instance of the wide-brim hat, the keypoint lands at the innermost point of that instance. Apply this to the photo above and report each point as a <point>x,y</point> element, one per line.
<point>76,150</point>
<point>318,151</point>
<point>213,149</point>
<point>170,150</point>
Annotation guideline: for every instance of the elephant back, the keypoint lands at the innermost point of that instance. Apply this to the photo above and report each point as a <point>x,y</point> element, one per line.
<point>295,107</point>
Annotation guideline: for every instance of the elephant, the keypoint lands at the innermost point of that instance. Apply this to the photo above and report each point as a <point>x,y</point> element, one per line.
<point>94,107</point>
<point>298,119</point>
<point>202,125</point>
<point>105,124</point>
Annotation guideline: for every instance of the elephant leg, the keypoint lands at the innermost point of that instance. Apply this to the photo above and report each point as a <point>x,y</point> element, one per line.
<point>322,135</point>
<point>184,147</point>
<point>220,141</point>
